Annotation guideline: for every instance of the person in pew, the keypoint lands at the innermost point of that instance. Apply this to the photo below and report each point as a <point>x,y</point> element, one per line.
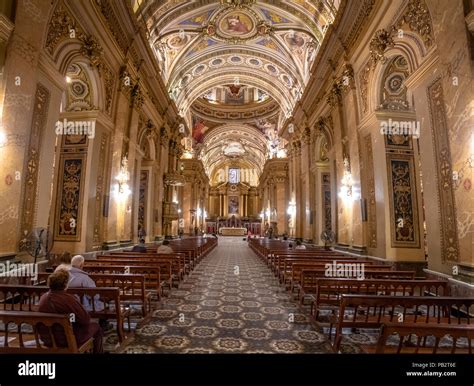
<point>299,245</point>
<point>165,248</point>
<point>64,261</point>
<point>140,247</point>
<point>58,301</point>
<point>78,278</point>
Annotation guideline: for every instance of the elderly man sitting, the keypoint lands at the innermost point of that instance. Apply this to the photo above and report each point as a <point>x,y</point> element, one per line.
<point>79,278</point>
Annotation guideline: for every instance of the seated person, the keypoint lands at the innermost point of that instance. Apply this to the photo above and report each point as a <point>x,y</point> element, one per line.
<point>165,248</point>
<point>58,301</point>
<point>140,247</point>
<point>64,261</point>
<point>78,277</point>
<point>299,245</point>
<point>81,279</point>
<point>290,246</point>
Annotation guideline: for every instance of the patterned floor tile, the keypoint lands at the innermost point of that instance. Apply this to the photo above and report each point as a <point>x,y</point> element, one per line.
<point>216,310</point>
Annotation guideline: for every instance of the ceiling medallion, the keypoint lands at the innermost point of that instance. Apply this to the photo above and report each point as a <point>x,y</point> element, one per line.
<point>236,24</point>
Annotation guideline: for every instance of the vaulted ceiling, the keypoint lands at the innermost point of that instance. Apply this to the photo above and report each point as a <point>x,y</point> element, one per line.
<point>242,63</point>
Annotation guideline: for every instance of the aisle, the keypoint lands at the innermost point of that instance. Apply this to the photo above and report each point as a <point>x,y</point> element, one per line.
<point>231,303</point>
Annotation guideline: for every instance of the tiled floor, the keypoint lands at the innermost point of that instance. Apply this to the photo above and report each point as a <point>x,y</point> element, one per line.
<point>231,303</point>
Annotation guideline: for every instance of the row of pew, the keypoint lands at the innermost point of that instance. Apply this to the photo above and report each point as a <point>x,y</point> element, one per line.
<point>126,282</point>
<point>410,314</point>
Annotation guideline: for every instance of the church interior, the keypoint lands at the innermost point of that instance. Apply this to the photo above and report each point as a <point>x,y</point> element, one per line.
<point>237,176</point>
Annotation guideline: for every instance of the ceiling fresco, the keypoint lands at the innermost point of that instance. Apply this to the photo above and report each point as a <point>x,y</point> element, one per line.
<point>221,59</point>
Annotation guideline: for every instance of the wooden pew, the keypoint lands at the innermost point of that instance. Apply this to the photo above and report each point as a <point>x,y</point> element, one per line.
<point>406,331</point>
<point>151,274</point>
<point>177,261</point>
<point>309,279</point>
<point>21,297</point>
<point>329,290</point>
<point>132,288</point>
<point>164,265</point>
<point>289,273</point>
<point>46,322</point>
<point>371,311</point>
<point>26,298</point>
<point>110,297</point>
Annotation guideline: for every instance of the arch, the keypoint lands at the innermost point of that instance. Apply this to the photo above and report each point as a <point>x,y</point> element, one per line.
<point>412,48</point>
<point>198,86</point>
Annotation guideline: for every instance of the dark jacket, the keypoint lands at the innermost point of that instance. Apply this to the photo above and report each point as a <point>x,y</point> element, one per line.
<point>139,248</point>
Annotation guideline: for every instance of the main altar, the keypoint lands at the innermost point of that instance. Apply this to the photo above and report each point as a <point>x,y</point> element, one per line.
<point>226,231</point>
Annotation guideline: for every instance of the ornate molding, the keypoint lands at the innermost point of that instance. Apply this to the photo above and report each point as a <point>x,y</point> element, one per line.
<point>92,50</point>
<point>61,25</point>
<point>40,112</point>
<point>381,41</point>
<point>417,18</point>
<point>447,204</point>
<point>107,11</point>
<point>334,97</point>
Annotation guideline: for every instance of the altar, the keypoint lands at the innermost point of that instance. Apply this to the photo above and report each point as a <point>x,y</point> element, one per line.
<point>227,231</point>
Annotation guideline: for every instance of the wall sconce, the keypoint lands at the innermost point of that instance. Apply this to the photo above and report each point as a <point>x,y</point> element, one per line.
<point>346,181</point>
<point>122,178</point>
<point>3,139</point>
<point>198,212</point>
<point>262,215</point>
<point>291,209</point>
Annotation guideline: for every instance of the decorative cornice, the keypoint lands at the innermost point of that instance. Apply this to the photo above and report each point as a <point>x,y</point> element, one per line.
<point>381,41</point>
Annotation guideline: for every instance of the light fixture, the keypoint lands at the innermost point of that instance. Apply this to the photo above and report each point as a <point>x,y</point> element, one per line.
<point>68,79</point>
<point>3,139</point>
<point>179,210</point>
<point>291,208</point>
<point>198,212</point>
<point>123,177</point>
<point>262,215</point>
<point>346,181</point>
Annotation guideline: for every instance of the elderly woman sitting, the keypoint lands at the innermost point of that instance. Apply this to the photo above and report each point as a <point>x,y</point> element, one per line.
<point>58,301</point>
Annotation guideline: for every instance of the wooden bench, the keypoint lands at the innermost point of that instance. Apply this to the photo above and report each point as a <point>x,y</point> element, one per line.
<point>309,279</point>
<point>47,324</point>
<point>151,274</point>
<point>329,291</point>
<point>164,265</point>
<point>132,288</point>
<point>110,298</point>
<point>290,271</point>
<point>406,331</point>
<point>177,261</point>
<point>26,298</point>
<point>21,297</point>
<point>371,311</point>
